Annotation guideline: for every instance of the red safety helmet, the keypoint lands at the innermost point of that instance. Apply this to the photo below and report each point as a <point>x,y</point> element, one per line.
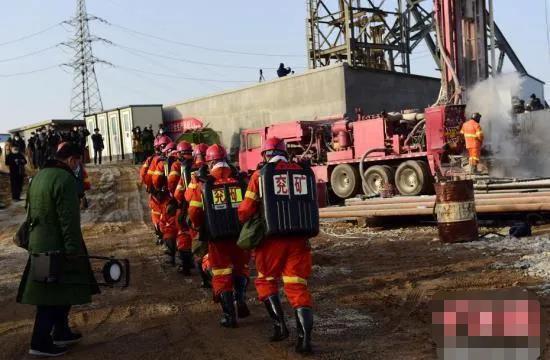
<point>169,148</point>
<point>163,141</point>
<point>215,152</point>
<point>200,149</point>
<point>273,143</point>
<point>185,146</point>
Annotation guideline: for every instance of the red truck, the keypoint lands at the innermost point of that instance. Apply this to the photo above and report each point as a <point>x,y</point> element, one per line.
<point>406,150</point>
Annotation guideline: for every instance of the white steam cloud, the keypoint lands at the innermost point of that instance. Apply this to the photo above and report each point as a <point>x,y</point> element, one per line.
<point>519,145</point>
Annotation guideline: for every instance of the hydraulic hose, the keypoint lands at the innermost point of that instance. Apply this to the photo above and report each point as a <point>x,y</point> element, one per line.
<point>409,137</point>
<point>361,167</point>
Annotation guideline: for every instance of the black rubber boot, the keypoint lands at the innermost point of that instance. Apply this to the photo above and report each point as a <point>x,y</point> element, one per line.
<point>205,277</point>
<point>275,310</point>
<point>170,252</point>
<point>304,325</point>
<point>241,283</point>
<point>186,259</point>
<point>229,318</point>
<point>158,234</point>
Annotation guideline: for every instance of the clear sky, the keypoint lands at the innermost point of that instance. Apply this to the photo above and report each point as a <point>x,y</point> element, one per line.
<point>266,27</point>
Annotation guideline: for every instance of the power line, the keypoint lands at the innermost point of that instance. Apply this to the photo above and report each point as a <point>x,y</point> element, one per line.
<point>184,60</point>
<point>29,54</point>
<point>30,35</point>
<point>157,63</point>
<point>176,76</point>
<point>547,26</point>
<point>220,50</point>
<point>29,72</point>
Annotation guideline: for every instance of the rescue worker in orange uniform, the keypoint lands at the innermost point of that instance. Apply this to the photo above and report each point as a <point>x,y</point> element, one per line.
<point>155,199</point>
<point>473,136</point>
<point>198,249</point>
<point>168,219</point>
<point>178,177</point>
<point>212,209</point>
<point>282,254</point>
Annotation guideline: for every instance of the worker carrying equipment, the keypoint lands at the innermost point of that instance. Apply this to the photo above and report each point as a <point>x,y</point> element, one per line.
<point>285,252</point>
<point>473,136</point>
<point>178,178</point>
<point>213,209</point>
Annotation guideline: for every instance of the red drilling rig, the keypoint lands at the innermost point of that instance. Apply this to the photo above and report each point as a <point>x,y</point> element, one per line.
<point>407,150</point>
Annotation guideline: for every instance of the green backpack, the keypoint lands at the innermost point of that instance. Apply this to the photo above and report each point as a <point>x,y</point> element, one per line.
<point>252,233</point>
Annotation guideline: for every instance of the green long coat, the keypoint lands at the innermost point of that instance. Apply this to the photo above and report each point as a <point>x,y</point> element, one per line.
<point>55,217</point>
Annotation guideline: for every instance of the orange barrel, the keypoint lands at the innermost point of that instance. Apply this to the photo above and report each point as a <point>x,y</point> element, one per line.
<point>456,211</point>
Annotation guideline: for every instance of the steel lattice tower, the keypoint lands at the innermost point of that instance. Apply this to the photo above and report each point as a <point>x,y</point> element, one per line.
<point>85,98</point>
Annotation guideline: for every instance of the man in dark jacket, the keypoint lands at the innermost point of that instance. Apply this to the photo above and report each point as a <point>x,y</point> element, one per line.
<point>31,146</point>
<point>16,162</point>
<point>54,216</point>
<point>97,141</point>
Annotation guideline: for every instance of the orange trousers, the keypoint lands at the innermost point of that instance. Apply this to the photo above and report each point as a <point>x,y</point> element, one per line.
<point>226,260</point>
<point>288,258</point>
<point>156,211</point>
<point>184,237</point>
<point>473,154</point>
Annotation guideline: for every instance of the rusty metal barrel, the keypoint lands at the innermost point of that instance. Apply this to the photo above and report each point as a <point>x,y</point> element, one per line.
<point>456,211</point>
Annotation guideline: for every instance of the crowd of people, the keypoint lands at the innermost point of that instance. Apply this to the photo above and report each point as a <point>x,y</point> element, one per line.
<point>40,148</point>
<point>142,142</point>
<point>199,201</point>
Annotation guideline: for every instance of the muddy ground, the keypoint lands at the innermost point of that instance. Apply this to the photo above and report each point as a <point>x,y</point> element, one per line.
<point>371,288</point>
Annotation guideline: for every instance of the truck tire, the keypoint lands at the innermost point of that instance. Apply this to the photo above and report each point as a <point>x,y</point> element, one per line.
<point>377,177</point>
<point>345,181</point>
<point>412,178</point>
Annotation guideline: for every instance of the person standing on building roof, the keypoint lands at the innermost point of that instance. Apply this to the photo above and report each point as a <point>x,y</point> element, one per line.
<point>473,137</point>
<point>535,103</point>
<point>16,162</point>
<point>98,144</point>
<point>282,71</point>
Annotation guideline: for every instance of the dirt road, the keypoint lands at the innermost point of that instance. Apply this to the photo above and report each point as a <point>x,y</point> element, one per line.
<point>371,290</point>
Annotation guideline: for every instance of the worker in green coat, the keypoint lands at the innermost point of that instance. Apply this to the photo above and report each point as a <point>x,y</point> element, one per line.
<point>54,214</point>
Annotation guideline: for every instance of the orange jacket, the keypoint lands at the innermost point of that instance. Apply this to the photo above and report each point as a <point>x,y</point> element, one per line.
<point>148,180</point>
<point>174,177</point>
<point>196,206</point>
<point>160,175</point>
<point>144,168</point>
<point>473,134</point>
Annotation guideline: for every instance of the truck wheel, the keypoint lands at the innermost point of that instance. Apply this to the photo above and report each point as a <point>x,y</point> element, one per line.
<point>412,178</point>
<point>345,181</point>
<point>376,178</point>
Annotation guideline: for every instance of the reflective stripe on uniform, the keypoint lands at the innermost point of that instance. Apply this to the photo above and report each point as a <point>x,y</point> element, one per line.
<point>174,173</point>
<point>471,136</point>
<point>474,158</point>
<point>155,212</point>
<point>194,203</point>
<point>262,276</point>
<point>192,186</point>
<point>156,172</point>
<point>218,272</point>
<point>251,195</point>
<point>294,280</point>
<point>179,187</point>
